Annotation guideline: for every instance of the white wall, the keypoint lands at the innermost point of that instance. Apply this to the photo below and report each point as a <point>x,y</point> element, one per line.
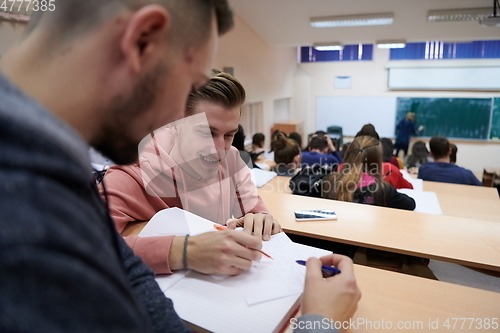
<point>266,72</point>
<point>369,78</point>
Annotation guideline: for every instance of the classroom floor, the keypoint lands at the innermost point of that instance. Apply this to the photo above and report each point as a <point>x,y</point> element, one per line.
<point>466,276</point>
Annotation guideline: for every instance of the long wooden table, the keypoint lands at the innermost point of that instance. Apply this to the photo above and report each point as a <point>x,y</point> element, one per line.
<point>390,299</point>
<point>472,202</point>
<point>469,242</point>
<point>417,304</point>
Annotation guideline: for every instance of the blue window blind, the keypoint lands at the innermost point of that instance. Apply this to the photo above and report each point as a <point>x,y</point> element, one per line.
<point>349,53</point>
<point>433,50</point>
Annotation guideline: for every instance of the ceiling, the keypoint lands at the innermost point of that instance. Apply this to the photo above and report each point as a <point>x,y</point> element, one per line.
<point>286,22</point>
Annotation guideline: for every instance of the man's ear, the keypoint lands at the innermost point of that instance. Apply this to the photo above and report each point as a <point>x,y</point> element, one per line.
<point>145,35</point>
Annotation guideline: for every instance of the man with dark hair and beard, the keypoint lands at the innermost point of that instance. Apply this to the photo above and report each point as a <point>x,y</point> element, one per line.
<point>104,73</point>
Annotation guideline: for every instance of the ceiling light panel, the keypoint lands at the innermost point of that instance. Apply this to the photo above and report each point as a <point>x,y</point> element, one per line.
<point>391,44</point>
<point>456,15</point>
<point>328,46</point>
<point>352,20</point>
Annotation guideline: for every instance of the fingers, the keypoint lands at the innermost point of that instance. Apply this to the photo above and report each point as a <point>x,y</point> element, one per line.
<point>246,240</point>
<point>232,223</point>
<point>268,227</point>
<point>260,225</point>
<point>276,228</point>
<point>343,263</point>
<point>313,271</point>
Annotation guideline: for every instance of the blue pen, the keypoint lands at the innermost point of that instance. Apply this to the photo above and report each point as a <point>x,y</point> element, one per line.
<point>326,270</point>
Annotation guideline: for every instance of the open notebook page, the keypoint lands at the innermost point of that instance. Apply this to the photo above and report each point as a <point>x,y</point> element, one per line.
<point>206,303</point>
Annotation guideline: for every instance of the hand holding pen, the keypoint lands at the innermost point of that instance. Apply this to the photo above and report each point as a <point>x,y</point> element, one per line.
<point>223,227</point>
<point>335,297</point>
<point>224,252</point>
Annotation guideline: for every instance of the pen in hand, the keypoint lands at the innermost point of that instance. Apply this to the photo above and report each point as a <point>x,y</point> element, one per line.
<point>326,270</point>
<point>223,227</point>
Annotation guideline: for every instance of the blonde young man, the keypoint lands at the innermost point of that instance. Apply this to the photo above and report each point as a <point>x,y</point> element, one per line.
<point>191,164</point>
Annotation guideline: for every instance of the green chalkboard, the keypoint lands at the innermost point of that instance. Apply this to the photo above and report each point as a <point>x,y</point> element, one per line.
<point>495,119</point>
<point>450,117</point>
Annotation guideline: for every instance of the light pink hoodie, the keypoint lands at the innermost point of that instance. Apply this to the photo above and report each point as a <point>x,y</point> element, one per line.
<point>136,192</point>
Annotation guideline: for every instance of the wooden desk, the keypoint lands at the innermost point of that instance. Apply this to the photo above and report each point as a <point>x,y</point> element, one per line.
<point>472,202</point>
<point>457,240</point>
<point>408,300</point>
<point>416,302</point>
<point>465,201</point>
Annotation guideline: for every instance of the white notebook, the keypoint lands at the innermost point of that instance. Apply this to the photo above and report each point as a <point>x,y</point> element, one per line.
<point>262,299</point>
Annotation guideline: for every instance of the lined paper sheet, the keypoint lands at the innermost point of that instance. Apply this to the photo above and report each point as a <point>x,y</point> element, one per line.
<point>167,281</point>
<point>271,278</point>
<point>167,222</point>
<point>209,304</point>
<point>212,307</point>
<point>427,202</point>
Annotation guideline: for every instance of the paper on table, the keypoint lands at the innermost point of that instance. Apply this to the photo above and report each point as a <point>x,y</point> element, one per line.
<point>417,184</point>
<point>177,222</point>
<point>270,279</point>
<point>426,202</point>
<point>167,281</point>
<point>261,177</point>
<point>266,280</point>
<point>167,222</point>
<point>208,303</point>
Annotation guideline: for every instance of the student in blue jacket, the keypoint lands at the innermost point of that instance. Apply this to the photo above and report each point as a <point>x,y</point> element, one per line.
<point>441,170</point>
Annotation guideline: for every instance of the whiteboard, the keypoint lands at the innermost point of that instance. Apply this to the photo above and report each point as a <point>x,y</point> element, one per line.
<point>353,112</point>
<point>443,78</point>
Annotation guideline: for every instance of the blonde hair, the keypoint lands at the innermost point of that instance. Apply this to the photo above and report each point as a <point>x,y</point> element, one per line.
<point>410,116</point>
<point>222,89</point>
<point>363,155</point>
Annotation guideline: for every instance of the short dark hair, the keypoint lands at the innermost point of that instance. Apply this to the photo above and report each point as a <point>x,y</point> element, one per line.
<point>297,137</point>
<point>239,139</point>
<point>190,19</point>
<point>258,139</point>
<point>387,149</point>
<point>318,143</point>
<point>453,155</point>
<point>440,146</point>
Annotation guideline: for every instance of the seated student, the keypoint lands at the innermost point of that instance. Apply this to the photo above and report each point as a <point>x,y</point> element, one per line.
<point>286,155</point>
<point>368,130</point>
<point>441,170</point>
<point>390,172</point>
<point>190,164</point>
<point>258,140</point>
<point>419,155</point>
<point>453,155</point>
<point>318,152</point>
<point>360,180</point>
<point>387,149</point>
<point>239,139</point>
<point>297,137</point>
<point>257,153</point>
